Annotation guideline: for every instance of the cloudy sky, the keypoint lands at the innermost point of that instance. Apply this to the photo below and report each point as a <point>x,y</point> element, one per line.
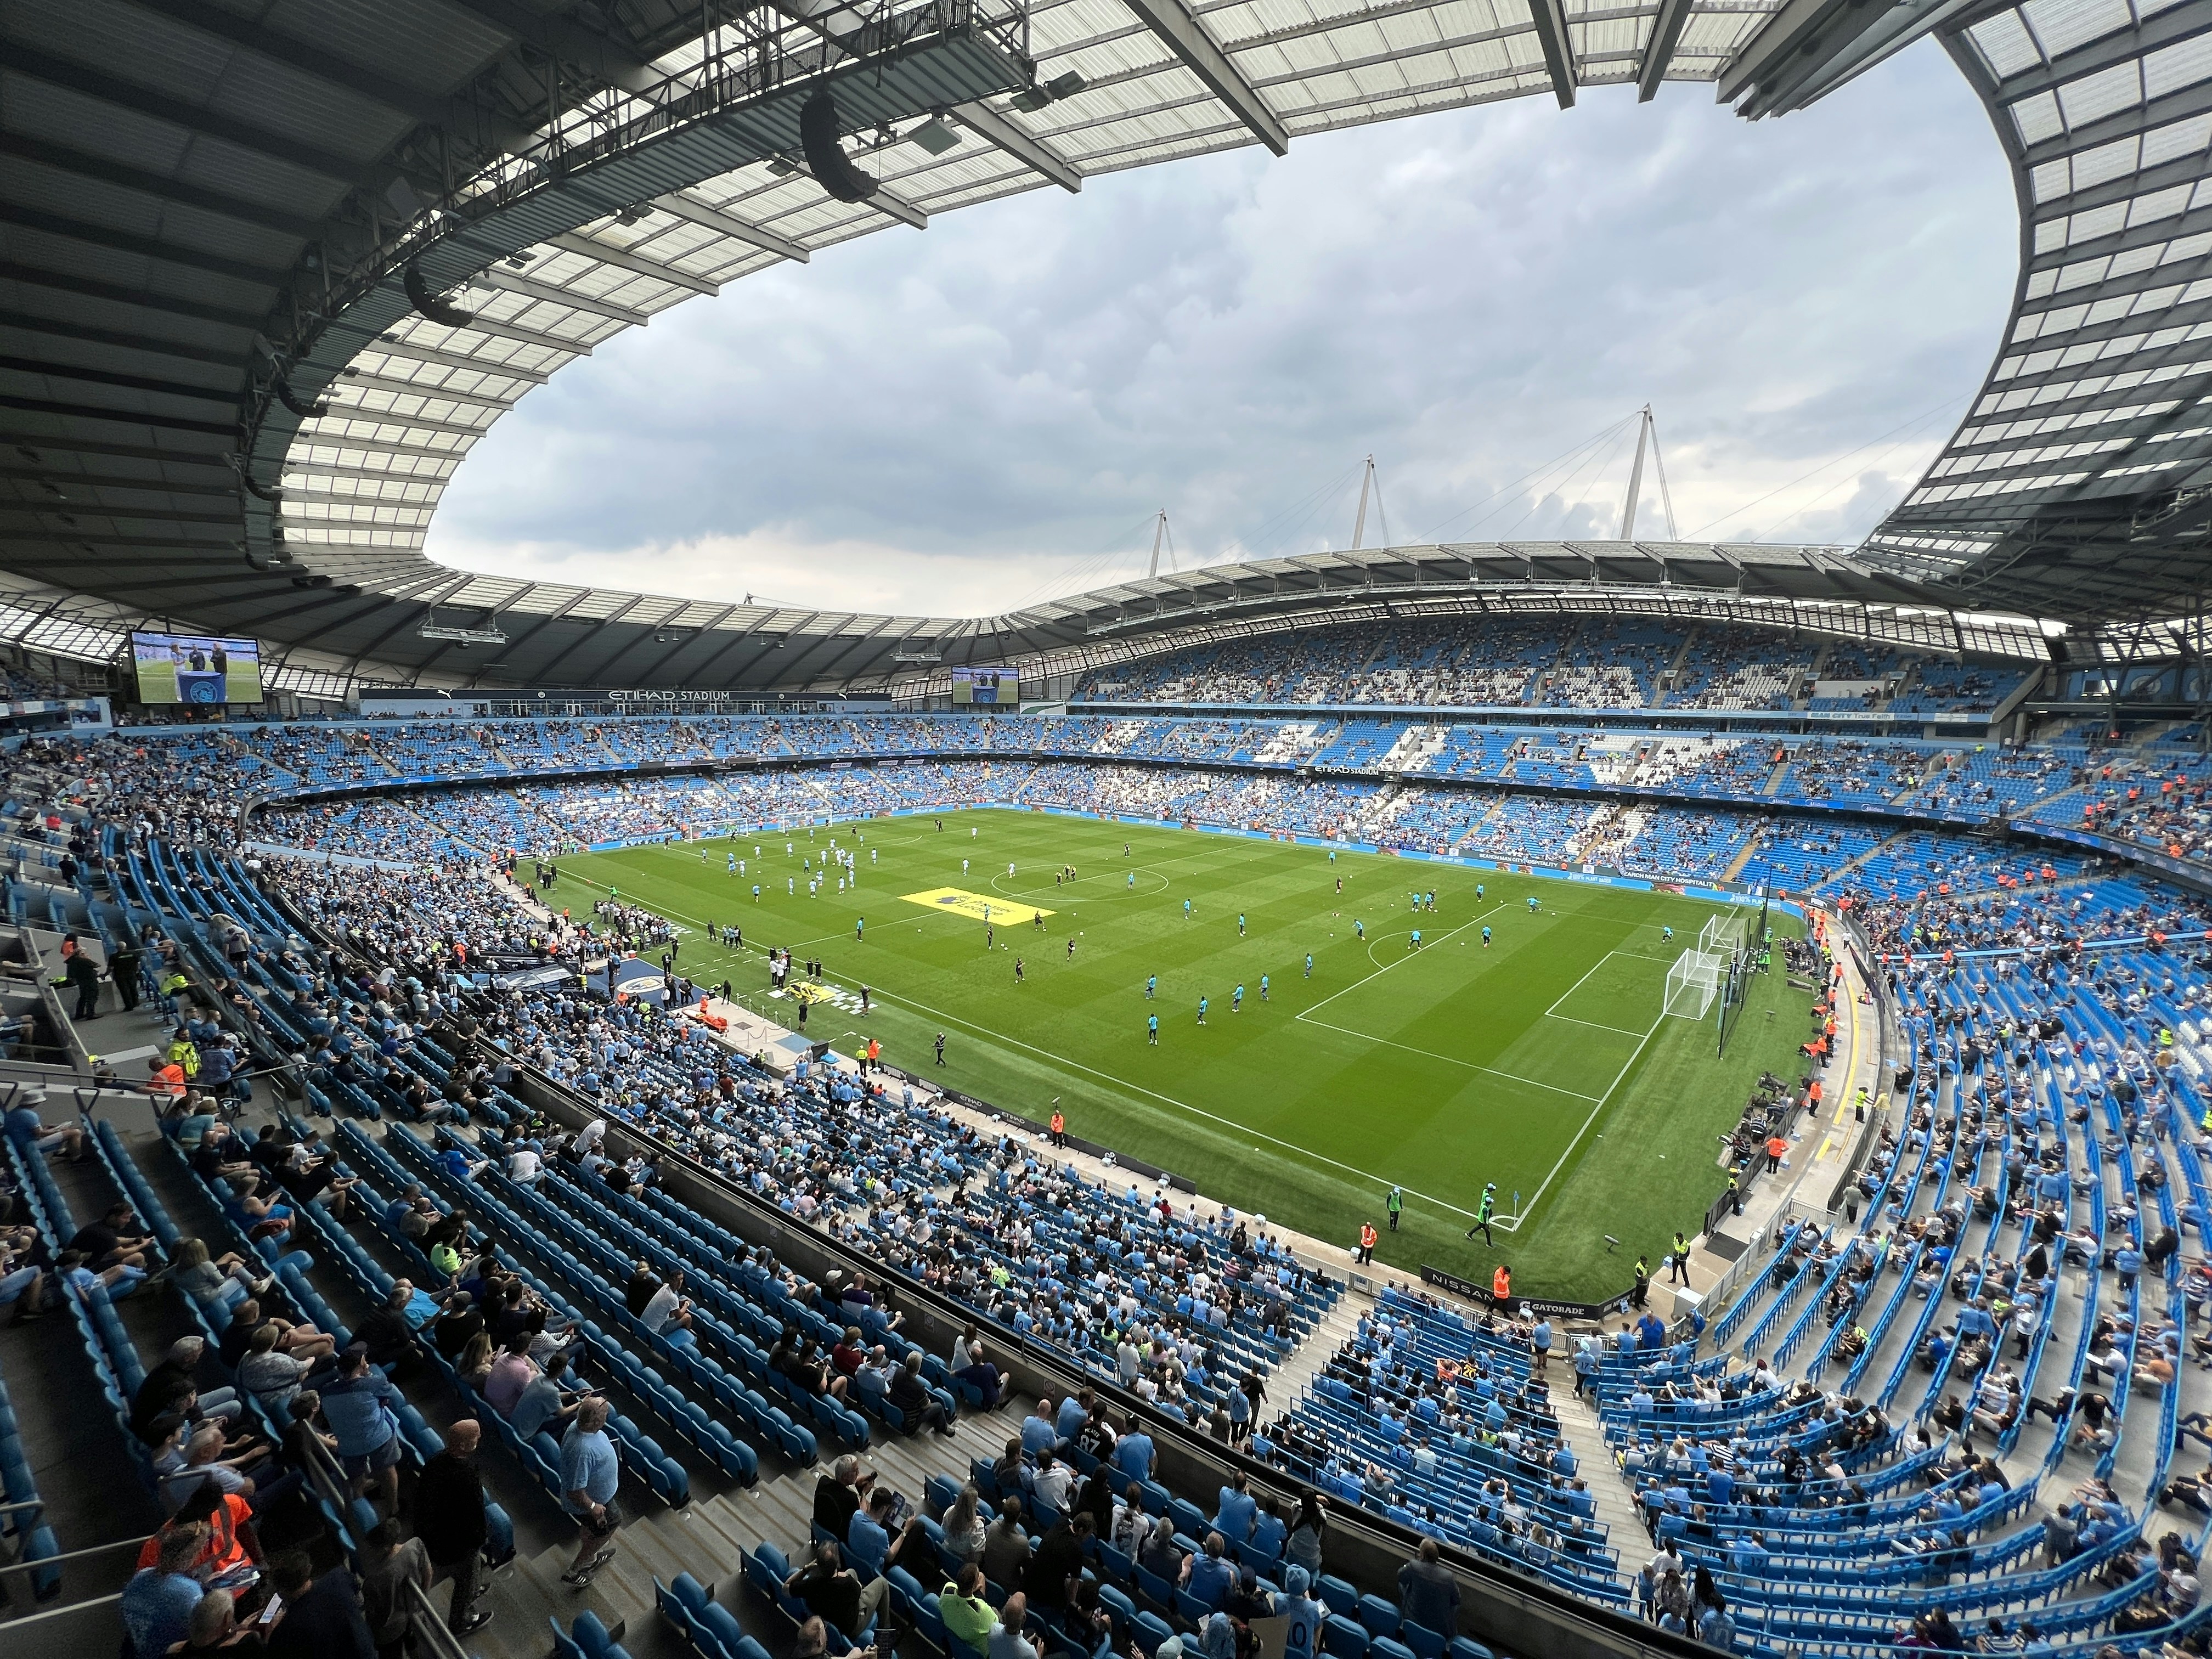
<point>989,412</point>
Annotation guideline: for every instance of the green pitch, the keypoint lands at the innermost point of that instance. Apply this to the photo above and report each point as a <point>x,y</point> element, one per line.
<point>1540,1062</point>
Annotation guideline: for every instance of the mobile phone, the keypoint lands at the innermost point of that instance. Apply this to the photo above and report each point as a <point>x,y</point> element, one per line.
<point>269,1613</point>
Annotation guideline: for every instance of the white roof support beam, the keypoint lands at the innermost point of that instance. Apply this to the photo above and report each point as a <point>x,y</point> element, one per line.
<point>698,213</point>
<point>364,382</point>
<point>551,293</point>
<point>1659,52</point>
<point>1186,37</point>
<point>898,207</point>
<point>1018,142</point>
<point>591,248</point>
<point>423,354</point>
<point>1550,18</point>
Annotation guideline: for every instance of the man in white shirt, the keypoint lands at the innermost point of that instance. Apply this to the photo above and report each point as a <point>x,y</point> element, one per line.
<point>668,1313</point>
<point>524,1166</point>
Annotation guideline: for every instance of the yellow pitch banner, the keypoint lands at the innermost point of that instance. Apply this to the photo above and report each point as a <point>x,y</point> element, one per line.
<point>975,906</point>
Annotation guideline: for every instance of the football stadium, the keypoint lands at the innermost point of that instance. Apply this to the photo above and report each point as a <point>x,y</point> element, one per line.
<point>1457,1100</point>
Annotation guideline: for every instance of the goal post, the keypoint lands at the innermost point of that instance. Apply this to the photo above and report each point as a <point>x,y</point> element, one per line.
<point>1724,934</point>
<point>1694,981</point>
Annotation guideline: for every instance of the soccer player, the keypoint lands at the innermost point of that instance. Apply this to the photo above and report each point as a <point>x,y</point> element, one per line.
<point>1071,947</point>
<point>1340,883</point>
<point>1359,927</point>
<point>1478,890</point>
<point>1152,1030</point>
<point>1201,1011</point>
<point>940,1036</point>
<point>1432,898</point>
<point>1667,935</point>
<point>1018,970</point>
<point>1152,984</point>
<point>860,926</point>
<point>963,866</point>
<point>1414,943</point>
<point>1010,868</point>
<point>1237,1000</point>
<point>1125,849</point>
<point>790,886</point>
<point>1484,1210</point>
<point>1532,904</point>
<point>1240,924</point>
<point>756,892</point>
<point>1309,964</point>
<point>733,860</point>
<point>1133,878</point>
<point>1037,921</point>
<point>1263,987</point>
<point>1186,910</point>
<point>1486,937</point>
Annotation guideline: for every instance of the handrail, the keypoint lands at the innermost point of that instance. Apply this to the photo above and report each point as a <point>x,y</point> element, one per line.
<point>110,1599</point>
<point>30,1563</point>
<point>431,1635</point>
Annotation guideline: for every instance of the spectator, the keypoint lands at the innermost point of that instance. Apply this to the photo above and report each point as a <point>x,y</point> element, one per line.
<point>590,1477</point>
<point>1007,1640</point>
<point>1428,1594</point>
<point>449,1522</point>
<point>157,1603</point>
<point>388,1565</point>
<point>835,1593</point>
<point>322,1617</point>
<point>358,1405</point>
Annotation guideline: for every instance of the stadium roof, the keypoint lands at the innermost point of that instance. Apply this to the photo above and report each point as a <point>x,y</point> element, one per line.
<point>268,271</point>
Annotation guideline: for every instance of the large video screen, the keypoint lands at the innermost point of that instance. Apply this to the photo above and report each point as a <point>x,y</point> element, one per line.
<point>198,669</point>
<point>1000,687</point>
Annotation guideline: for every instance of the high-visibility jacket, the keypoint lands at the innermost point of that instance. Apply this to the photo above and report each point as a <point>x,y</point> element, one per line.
<point>1366,1235</point>
<point>1501,1284</point>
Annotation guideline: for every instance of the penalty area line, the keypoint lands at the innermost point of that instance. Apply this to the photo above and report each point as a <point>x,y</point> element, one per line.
<point>1513,1225</point>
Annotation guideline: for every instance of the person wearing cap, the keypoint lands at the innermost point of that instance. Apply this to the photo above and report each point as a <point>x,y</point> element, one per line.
<point>24,1124</point>
<point>358,1405</point>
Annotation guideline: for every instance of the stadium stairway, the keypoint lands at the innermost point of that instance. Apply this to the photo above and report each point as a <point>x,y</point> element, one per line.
<point>1580,1428</point>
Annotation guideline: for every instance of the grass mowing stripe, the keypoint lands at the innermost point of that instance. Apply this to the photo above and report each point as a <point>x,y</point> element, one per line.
<point>1437,1078</point>
<point>1121,1083</point>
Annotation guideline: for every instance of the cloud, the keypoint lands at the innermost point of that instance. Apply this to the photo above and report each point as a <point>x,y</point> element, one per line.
<point>961,420</point>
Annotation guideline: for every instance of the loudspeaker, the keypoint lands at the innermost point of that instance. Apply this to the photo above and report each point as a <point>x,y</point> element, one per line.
<point>419,296</point>
<point>825,159</point>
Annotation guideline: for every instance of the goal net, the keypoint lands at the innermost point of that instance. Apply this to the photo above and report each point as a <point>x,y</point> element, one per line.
<point>1724,934</point>
<point>1693,982</point>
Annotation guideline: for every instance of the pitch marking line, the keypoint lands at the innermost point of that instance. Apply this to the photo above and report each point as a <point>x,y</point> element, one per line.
<point>1122,1084</point>
<point>1307,1014</point>
<point>1454,1059</point>
<point>1596,1024</point>
<point>1512,1224</point>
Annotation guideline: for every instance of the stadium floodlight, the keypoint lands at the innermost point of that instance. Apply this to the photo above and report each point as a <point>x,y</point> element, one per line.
<point>917,656</point>
<point>431,631</point>
<point>1693,982</point>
